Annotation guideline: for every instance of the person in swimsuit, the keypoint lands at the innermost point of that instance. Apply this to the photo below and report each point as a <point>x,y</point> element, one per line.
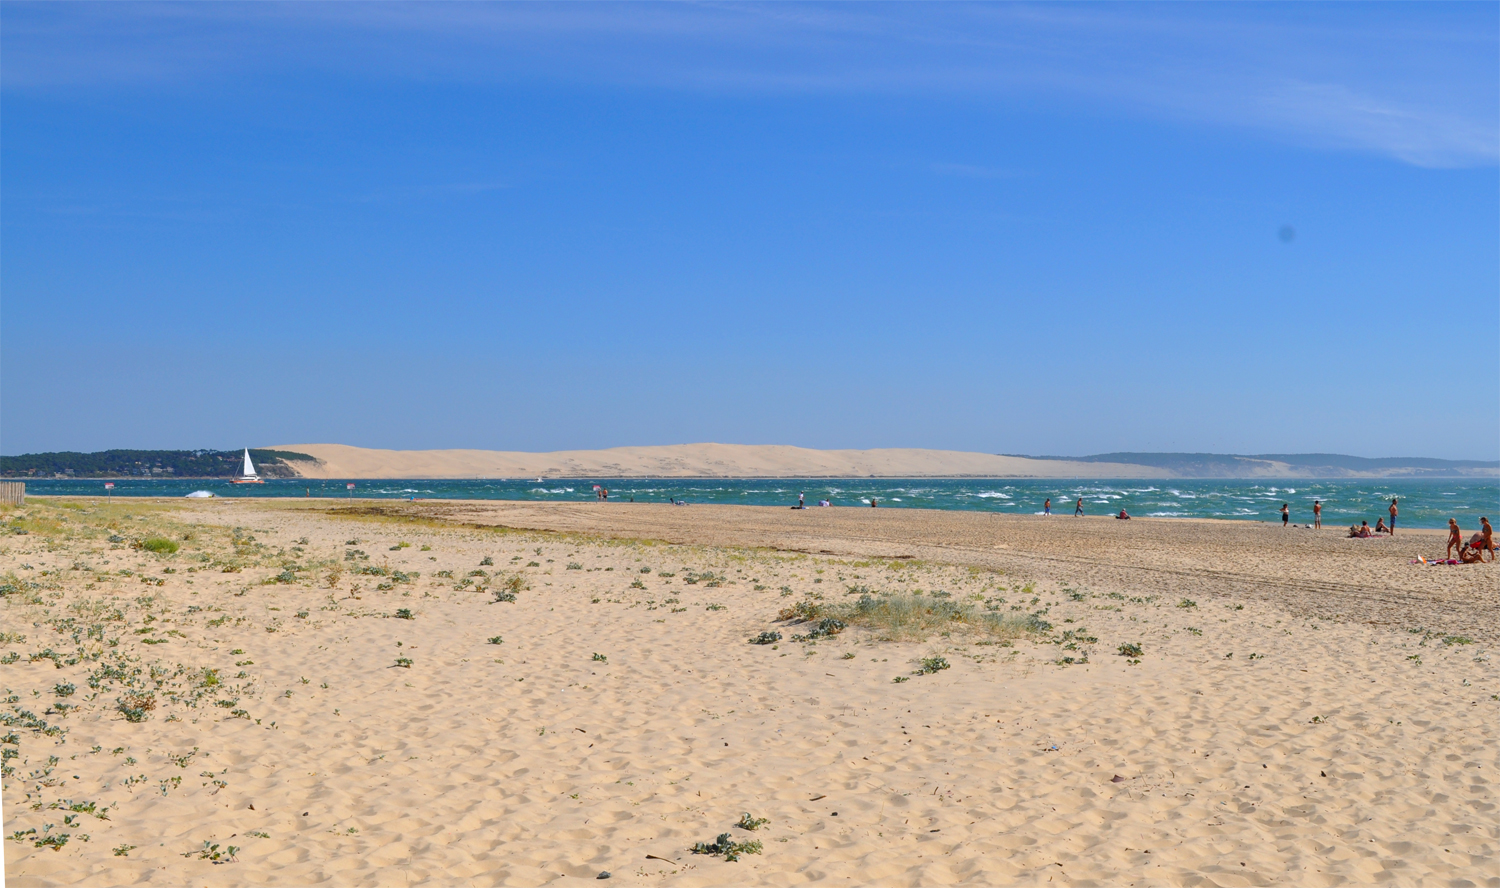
<point>1392,510</point>
<point>1380,526</point>
<point>1078,509</point>
<point>1285,514</point>
<point>1484,540</point>
<point>1317,514</point>
<point>1455,538</point>
<point>1364,530</point>
<point>1047,507</point>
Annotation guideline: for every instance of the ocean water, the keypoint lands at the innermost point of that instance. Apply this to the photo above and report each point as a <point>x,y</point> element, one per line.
<point>1424,502</point>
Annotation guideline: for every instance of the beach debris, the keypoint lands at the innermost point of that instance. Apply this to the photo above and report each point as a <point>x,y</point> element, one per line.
<point>662,859</point>
<point>1117,779</point>
<point>603,874</point>
<point>817,798</point>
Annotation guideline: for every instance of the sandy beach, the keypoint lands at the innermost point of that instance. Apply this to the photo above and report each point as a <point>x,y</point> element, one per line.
<point>501,693</point>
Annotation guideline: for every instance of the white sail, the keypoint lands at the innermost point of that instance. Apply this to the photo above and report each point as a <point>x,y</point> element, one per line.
<point>249,466</point>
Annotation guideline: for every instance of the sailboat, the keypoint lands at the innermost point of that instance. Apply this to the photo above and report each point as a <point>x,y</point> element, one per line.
<point>247,475</point>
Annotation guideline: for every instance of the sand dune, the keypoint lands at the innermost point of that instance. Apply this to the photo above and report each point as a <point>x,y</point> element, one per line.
<point>694,461</point>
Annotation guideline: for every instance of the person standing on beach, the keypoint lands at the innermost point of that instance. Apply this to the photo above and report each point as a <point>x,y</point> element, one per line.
<point>1047,506</point>
<point>1078,509</point>
<point>1392,510</point>
<point>1455,538</point>
<point>1285,514</point>
<point>801,500</point>
<point>1317,514</point>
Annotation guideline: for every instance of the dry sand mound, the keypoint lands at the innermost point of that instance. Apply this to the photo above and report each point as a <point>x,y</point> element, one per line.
<point>693,461</point>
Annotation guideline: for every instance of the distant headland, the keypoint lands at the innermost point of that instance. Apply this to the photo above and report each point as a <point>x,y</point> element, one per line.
<point>336,461</point>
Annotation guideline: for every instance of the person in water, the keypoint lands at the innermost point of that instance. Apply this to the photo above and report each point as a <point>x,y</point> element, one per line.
<point>1455,539</point>
<point>1285,515</point>
<point>1392,510</point>
<point>874,502</point>
<point>1317,514</point>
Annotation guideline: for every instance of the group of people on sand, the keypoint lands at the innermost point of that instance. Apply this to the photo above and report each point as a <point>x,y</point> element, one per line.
<point>1471,551</point>
<point>1364,531</point>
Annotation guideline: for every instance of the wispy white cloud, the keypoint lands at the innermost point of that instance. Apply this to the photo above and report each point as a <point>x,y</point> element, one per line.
<point>1417,83</point>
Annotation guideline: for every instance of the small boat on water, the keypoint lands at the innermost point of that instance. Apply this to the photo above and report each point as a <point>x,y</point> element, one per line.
<point>247,475</point>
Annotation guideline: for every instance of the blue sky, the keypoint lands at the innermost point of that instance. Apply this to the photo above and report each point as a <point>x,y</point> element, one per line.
<point>1059,229</point>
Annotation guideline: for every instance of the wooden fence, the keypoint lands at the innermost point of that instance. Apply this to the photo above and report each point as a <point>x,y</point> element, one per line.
<point>13,493</point>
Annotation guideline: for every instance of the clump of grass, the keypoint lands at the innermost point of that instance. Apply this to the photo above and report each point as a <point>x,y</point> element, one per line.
<point>751,823</point>
<point>826,628</point>
<point>1130,650</point>
<point>487,562</point>
<point>727,846</point>
<point>600,658</point>
<point>766,638</point>
<point>931,665</point>
<point>403,662</point>
<point>510,587</point>
<point>909,617</point>
<point>64,689</point>
<point>1187,602</point>
<point>403,614</point>
<point>495,639</point>
<point>160,545</point>
<point>136,707</point>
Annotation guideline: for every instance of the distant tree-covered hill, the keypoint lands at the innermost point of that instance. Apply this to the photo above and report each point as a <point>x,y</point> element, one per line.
<point>150,463</point>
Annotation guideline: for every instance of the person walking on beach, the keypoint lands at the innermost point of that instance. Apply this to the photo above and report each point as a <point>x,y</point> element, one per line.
<point>801,500</point>
<point>1285,515</point>
<point>1317,514</point>
<point>1392,510</point>
<point>1455,538</point>
<point>1047,506</point>
<point>1078,509</point>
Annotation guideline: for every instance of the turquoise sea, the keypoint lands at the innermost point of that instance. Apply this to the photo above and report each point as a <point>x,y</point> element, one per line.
<point>1425,502</point>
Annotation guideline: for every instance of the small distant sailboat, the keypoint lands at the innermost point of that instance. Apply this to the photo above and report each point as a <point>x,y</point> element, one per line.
<point>247,475</point>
